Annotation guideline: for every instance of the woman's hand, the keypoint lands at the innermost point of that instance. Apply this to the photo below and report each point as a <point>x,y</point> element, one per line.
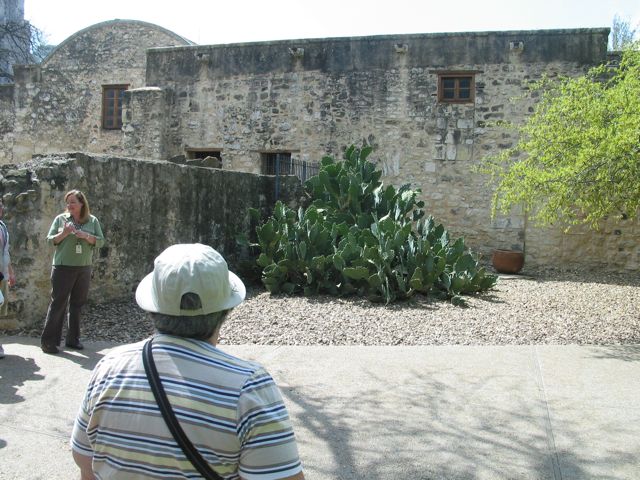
<point>86,236</point>
<point>68,228</point>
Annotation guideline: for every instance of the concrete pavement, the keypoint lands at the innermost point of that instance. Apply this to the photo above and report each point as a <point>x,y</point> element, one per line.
<point>432,412</point>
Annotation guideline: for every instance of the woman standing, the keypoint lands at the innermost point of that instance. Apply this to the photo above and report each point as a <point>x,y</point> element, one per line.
<point>75,233</point>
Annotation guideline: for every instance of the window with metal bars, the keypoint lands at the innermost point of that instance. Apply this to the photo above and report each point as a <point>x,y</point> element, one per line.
<point>112,98</point>
<point>276,163</point>
<point>455,88</point>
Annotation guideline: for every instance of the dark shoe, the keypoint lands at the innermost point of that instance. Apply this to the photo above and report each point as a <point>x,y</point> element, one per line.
<point>49,349</point>
<point>75,346</point>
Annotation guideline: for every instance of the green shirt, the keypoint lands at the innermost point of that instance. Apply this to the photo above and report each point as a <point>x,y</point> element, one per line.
<point>73,251</point>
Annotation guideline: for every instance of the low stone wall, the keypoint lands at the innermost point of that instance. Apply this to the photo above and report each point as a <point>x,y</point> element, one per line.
<point>615,246</point>
<point>144,206</point>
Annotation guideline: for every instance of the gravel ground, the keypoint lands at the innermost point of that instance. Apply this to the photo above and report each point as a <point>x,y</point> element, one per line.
<point>538,307</point>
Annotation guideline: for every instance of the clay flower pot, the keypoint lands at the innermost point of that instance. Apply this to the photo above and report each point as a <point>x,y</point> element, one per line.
<point>507,261</point>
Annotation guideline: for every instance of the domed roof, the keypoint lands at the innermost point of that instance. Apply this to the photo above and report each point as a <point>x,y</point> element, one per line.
<point>164,37</point>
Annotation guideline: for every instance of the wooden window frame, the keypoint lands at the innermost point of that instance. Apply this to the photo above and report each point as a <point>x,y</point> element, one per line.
<point>112,121</point>
<point>457,76</point>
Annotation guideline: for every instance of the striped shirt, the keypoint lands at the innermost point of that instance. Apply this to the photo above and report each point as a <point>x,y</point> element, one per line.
<point>231,410</point>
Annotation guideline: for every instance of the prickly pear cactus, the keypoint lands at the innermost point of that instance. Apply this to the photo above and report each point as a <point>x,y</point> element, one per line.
<point>359,237</point>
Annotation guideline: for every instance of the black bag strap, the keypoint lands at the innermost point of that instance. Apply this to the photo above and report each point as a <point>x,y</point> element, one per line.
<point>170,418</point>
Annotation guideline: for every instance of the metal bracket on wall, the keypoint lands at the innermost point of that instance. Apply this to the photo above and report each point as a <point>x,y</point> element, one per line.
<point>203,57</point>
<point>401,47</point>
<point>296,52</point>
<point>516,46</point>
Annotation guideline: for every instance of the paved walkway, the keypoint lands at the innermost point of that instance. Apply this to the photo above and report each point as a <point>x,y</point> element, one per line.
<point>515,412</point>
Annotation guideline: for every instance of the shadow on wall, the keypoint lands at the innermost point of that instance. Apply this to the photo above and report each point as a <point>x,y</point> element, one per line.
<point>143,207</point>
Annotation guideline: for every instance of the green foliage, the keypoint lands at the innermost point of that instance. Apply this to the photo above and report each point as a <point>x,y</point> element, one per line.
<point>578,157</point>
<point>359,237</point>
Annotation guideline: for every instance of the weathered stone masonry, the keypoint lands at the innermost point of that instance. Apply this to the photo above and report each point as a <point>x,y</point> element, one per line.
<point>143,206</point>
<point>314,97</point>
<point>58,103</point>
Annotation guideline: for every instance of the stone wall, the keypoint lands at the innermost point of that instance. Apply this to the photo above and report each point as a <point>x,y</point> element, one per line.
<point>58,103</point>
<point>615,246</point>
<point>143,206</point>
<point>314,97</point>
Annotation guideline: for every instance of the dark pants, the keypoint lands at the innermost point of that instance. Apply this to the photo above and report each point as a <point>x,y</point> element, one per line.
<point>69,286</point>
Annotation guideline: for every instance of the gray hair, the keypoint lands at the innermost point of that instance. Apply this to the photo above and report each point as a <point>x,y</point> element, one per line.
<point>199,327</point>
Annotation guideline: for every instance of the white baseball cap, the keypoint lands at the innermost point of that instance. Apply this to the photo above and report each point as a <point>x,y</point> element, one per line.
<point>189,268</point>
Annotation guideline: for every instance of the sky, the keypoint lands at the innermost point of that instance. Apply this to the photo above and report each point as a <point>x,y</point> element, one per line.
<point>236,21</point>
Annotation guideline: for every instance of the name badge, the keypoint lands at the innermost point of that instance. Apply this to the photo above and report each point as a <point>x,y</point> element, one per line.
<point>78,248</point>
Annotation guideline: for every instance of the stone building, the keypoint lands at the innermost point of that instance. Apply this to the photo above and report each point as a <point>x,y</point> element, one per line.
<point>431,104</point>
<point>73,99</point>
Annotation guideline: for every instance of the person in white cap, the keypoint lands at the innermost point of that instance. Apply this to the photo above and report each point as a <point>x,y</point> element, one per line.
<point>230,409</point>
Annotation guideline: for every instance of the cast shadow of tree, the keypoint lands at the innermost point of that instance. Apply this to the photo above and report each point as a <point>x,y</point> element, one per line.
<point>425,428</point>
<point>619,278</point>
<point>625,353</point>
<point>15,372</point>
